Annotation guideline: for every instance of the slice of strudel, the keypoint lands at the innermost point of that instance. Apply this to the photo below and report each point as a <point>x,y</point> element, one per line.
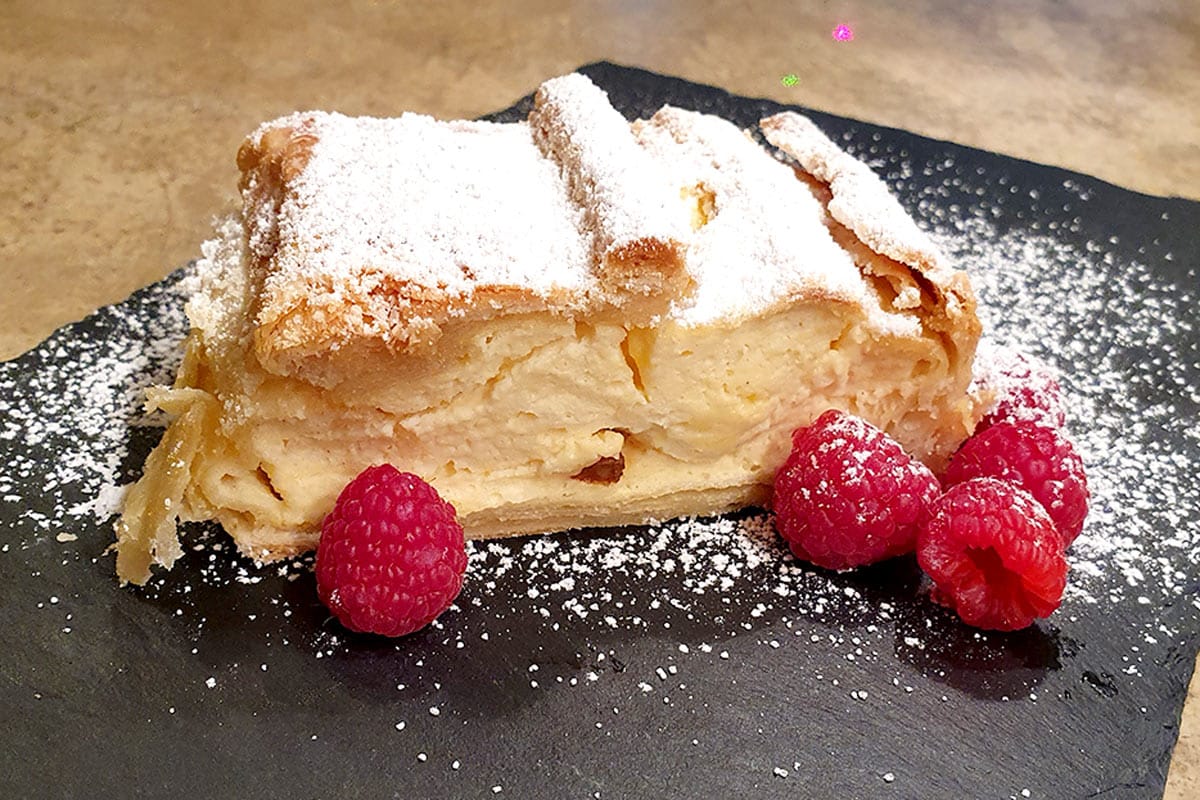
<point>566,322</point>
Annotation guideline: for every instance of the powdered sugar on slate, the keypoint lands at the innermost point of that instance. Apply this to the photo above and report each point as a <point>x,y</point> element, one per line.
<point>69,407</point>
<point>1039,295</point>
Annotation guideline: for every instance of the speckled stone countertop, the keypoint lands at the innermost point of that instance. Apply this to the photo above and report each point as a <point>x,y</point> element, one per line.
<point>119,121</point>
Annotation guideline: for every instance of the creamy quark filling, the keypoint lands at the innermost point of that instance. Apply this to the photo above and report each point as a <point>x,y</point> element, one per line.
<point>507,421</point>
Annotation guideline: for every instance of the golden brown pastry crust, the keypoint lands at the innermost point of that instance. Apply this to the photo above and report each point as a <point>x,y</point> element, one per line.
<point>635,263</point>
<point>869,223</point>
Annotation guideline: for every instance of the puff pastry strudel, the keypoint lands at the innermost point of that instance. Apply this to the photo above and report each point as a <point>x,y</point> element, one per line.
<point>565,322</point>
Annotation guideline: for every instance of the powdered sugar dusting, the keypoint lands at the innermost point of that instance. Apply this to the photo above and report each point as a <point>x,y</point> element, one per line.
<point>69,405</point>
<point>762,216</point>
<point>1140,526</point>
<point>1022,388</point>
<point>859,200</point>
<point>423,212</point>
<point>623,193</point>
<point>440,204</point>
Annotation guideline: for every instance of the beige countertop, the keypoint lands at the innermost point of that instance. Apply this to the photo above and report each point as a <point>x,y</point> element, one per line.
<point>119,121</point>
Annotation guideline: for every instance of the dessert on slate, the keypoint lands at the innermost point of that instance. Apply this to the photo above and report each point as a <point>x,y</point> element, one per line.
<point>566,322</point>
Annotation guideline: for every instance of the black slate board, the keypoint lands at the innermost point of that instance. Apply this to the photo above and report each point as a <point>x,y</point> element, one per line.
<point>661,690</point>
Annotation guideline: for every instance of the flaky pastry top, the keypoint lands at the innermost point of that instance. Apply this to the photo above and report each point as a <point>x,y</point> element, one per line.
<point>388,230</point>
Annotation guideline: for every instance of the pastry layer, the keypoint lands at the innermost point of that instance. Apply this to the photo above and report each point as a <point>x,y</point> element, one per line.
<point>632,338</point>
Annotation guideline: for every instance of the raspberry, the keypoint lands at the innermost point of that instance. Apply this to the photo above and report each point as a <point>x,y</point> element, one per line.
<point>1040,460</point>
<point>993,555</point>
<point>391,556</point>
<point>1025,389</point>
<point>849,495</point>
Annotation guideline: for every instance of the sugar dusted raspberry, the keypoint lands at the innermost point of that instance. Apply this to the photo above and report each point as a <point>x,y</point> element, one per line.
<point>849,495</point>
<point>1038,459</point>
<point>391,556</point>
<point>1025,388</point>
<point>993,555</point>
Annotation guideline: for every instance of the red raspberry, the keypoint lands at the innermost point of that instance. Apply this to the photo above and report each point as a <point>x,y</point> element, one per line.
<point>849,495</point>
<point>1025,389</point>
<point>993,555</point>
<point>391,556</point>
<point>1038,459</point>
